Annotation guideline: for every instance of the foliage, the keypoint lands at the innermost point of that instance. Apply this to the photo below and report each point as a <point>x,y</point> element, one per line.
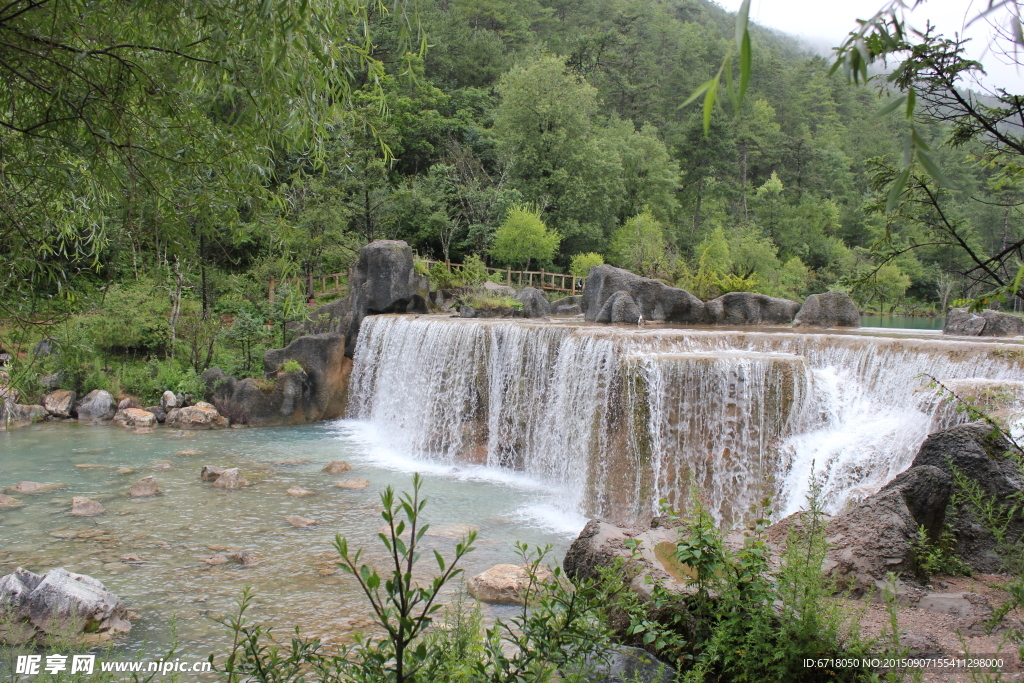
<point>488,302</point>
<point>523,237</point>
<point>639,245</point>
<point>938,557</point>
<point>291,365</point>
<point>246,332</point>
<point>581,264</point>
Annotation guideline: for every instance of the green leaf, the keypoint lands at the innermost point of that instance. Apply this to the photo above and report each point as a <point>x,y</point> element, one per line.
<point>933,169</point>
<point>896,189</point>
<point>709,104</point>
<point>911,102</point>
<point>699,91</point>
<point>892,106</point>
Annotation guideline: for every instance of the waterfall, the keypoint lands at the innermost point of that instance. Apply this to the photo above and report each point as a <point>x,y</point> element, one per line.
<point>616,419</point>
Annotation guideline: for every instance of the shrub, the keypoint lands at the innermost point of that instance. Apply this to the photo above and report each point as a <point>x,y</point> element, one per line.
<point>132,319</point>
<point>192,384</point>
<point>581,264</point>
<point>291,365</point>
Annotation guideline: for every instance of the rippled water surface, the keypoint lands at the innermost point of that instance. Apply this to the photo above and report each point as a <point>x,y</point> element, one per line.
<point>295,579</point>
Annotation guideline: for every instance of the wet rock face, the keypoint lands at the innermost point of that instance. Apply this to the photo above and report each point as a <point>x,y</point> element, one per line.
<point>58,603</point>
<point>748,308</point>
<point>655,300</point>
<point>831,309</point>
<point>317,392</point>
<point>960,321</point>
<point>97,405</point>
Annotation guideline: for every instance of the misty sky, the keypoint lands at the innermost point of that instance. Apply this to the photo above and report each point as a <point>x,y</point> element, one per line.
<point>826,23</point>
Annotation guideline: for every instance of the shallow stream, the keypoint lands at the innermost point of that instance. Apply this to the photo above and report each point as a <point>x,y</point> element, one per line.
<point>295,579</point>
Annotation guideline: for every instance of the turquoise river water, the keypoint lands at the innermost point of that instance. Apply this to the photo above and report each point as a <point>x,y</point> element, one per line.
<point>295,578</point>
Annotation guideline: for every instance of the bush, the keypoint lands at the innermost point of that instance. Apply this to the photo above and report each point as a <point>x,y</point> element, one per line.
<point>291,365</point>
<point>132,319</point>
<point>192,384</point>
<point>581,264</point>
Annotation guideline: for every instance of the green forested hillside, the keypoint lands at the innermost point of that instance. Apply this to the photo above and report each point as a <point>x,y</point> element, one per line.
<point>175,163</point>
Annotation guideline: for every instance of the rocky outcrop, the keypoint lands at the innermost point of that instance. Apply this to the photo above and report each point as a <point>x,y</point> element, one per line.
<point>96,406</point>
<point>748,308</point>
<point>59,604</point>
<point>383,281</point>
<point>60,403</point>
<point>535,304</point>
<point>507,584</point>
<point>17,414</point>
<point>135,417</point>
<point>316,392</point>
<point>620,308</point>
<point>879,535</point>
<point>960,321</point>
<point>200,416</point>
<point>831,309</point>
<point>980,454</point>
<point>655,300</point>
<point>570,305</point>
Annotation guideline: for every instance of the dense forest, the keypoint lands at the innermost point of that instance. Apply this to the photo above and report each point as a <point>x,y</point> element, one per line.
<point>534,133</point>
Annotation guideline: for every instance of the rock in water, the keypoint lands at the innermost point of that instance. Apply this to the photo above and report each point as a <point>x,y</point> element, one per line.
<point>34,487</point>
<point>211,472</point>
<point>60,403</point>
<point>535,304</point>
<point>630,665</point>
<point>8,501</point>
<point>298,492</point>
<point>620,308</point>
<point>655,300</point>
<point>144,487</point>
<point>300,522</point>
<point>134,417</point>
<point>230,479</point>
<point>97,405</point>
<point>336,467</point>
<point>831,309</point>
<point>570,305</point>
<point>506,584</point>
<point>60,603</point>
<point>199,416</point>
<point>354,483</point>
<point>748,308</point>
<point>960,321</point>
<point>83,507</point>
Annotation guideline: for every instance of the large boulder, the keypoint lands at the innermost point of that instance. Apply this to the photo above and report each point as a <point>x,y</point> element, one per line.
<point>879,535</point>
<point>748,308</point>
<point>494,289</point>
<point>58,603</point>
<point>200,416</point>
<point>831,309</point>
<point>535,304</point>
<point>19,414</point>
<point>507,584</point>
<point>620,308</point>
<point>655,300</point>
<point>570,305</point>
<point>316,392</point>
<point>135,417</point>
<point>60,403</point>
<point>383,281</point>
<point>960,321</point>
<point>980,454</point>
<point>98,405</point>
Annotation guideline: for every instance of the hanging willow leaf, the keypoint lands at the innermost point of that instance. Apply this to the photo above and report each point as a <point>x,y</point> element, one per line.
<point>897,188</point>
<point>710,88</point>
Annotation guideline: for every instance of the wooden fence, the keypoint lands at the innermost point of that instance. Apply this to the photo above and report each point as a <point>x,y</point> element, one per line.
<point>336,283</point>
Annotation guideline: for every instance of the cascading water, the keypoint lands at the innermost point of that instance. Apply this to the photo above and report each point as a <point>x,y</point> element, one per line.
<point>618,418</point>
